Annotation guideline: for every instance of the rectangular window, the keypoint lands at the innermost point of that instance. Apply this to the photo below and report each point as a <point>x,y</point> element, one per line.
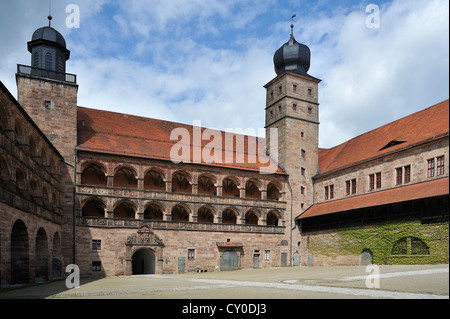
<point>378,180</point>
<point>96,244</point>
<point>96,266</point>
<point>347,187</point>
<point>440,166</point>
<point>294,87</point>
<point>266,255</point>
<point>303,152</point>
<point>354,186</point>
<point>303,171</point>
<point>326,192</point>
<point>191,253</point>
<point>399,175</point>
<point>430,168</point>
<point>407,174</point>
<point>371,182</point>
<point>302,190</point>
<point>331,191</point>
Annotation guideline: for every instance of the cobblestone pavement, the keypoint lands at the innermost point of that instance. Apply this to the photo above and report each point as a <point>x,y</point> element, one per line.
<point>398,282</point>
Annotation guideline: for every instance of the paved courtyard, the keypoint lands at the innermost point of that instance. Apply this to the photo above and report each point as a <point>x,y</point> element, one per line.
<point>392,282</point>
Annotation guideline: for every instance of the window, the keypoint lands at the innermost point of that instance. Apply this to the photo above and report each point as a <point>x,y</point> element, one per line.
<point>331,191</point>
<point>266,255</point>
<point>430,168</point>
<point>326,192</point>
<point>399,175</point>
<point>271,95</point>
<point>407,170</point>
<point>294,87</point>
<point>294,107</point>
<point>309,110</point>
<point>309,91</point>
<point>302,190</point>
<point>303,152</point>
<point>96,244</point>
<point>191,253</point>
<point>371,182</point>
<point>48,60</point>
<point>378,180</point>
<point>354,186</point>
<point>303,171</point>
<point>440,166</point>
<point>347,187</point>
<point>302,134</point>
<point>409,246</point>
<point>280,89</point>
<point>271,114</point>
<point>279,108</point>
<point>96,266</point>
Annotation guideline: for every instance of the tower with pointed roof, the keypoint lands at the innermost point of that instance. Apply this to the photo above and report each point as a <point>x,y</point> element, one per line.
<point>292,110</point>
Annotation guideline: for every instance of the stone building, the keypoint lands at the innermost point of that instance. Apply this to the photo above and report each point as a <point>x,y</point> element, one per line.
<point>120,194</point>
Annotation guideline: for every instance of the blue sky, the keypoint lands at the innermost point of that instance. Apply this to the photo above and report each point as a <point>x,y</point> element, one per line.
<point>204,60</point>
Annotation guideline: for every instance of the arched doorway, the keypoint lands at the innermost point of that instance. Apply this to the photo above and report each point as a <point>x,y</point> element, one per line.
<point>41,256</point>
<point>143,262</point>
<point>366,257</point>
<point>19,254</point>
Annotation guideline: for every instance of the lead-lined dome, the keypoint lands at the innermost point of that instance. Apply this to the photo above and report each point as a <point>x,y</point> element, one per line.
<point>48,35</point>
<point>292,56</point>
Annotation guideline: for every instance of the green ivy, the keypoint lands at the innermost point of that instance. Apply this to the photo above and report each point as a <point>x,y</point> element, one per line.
<point>380,240</point>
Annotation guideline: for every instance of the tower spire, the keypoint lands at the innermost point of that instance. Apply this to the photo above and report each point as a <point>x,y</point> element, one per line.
<point>49,14</point>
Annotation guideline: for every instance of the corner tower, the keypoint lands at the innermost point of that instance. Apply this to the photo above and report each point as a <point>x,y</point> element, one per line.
<point>48,94</point>
<point>292,108</point>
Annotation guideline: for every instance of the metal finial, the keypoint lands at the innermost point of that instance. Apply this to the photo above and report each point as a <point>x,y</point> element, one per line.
<point>50,14</point>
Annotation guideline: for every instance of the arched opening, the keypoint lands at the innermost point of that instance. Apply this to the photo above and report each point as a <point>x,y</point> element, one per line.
<point>125,210</point>
<point>33,147</point>
<point>205,215</point>
<point>273,192</point>
<point>125,177</point>
<point>21,179</point>
<point>94,174</point>
<point>19,254</point>
<point>154,212</point>
<point>4,169</point>
<point>41,256</point>
<point>229,216</point>
<point>154,180</point>
<point>206,185</point>
<point>143,262</point>
<point>272,219</point>
<point>181,183</point>
<point>19,132</point>
<point>230,187</point>
<point>93,208</point>
<point>251,218</point>
<point>252,190</point>
<point>366,257</point>
<point>180,213</point>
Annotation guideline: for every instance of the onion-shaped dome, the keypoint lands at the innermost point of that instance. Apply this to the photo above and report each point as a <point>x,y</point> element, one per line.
<point>292,56</point>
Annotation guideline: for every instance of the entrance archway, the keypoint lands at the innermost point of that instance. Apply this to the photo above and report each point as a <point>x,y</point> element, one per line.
<point>143,262</point>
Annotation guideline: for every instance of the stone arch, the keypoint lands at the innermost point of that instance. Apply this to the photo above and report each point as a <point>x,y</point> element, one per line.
<point>252,217</point>
<point>181,212</point>
<point>93,173</point>
<point>154,179</point>
<point>205,214</point>
<point>93,207</point>
<point>20,259</point>
<point>56,254</point>
<point>4,118</point>
<point>45,195</point>
<point>207,184</point>
<point>125,176</point>
<point>273,218</point>
<point>181,182</point>
<point>230,186</point>
<point>154,211</point>
<point>21,178</point>
<point>5,168</point>
<point>35,188</point>
<point>143,261</point>
<point>252,189</point>
<point>273,191</point>
<point>124,209</point>
<point>41,255</point>
<point>230,216</point>
<point>366,257</point>
<point>19,131</point>
<point>34,146</point>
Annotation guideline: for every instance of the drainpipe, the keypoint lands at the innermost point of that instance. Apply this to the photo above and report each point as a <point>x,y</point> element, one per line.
<point>74,205</point>
<point>292,229</point>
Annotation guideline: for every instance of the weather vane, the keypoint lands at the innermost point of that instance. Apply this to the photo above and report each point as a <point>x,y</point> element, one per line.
<point>292,24</point>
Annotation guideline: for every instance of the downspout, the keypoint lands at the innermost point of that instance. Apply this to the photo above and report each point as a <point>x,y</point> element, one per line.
<point>74,206</point>
<point>292,229</point>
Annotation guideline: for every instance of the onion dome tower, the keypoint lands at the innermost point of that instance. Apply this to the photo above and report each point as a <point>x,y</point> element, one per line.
<point>292,56</point>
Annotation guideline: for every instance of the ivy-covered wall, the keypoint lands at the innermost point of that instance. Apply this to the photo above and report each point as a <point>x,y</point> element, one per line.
<point>380,240</point>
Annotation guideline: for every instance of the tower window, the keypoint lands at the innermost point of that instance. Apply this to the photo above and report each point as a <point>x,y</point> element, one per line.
<point>48,60</point>
<point>279,108</point>
<point>271,95</point>
<point>271,114</point>
<point>36,59</point>
<point>303,171</point>
<point>309,91</point>
<point>280,89</point>
<point>48,104</point>
<point>294,87</point>
<point>294,107</point>
<point>309,110</point>
<point>303,152</point>
<point>302,134</point>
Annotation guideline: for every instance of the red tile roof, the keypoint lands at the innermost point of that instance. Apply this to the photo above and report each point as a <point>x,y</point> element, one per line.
<point>411,130</point>
<point>426,189</point>
<point>128,135</point>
